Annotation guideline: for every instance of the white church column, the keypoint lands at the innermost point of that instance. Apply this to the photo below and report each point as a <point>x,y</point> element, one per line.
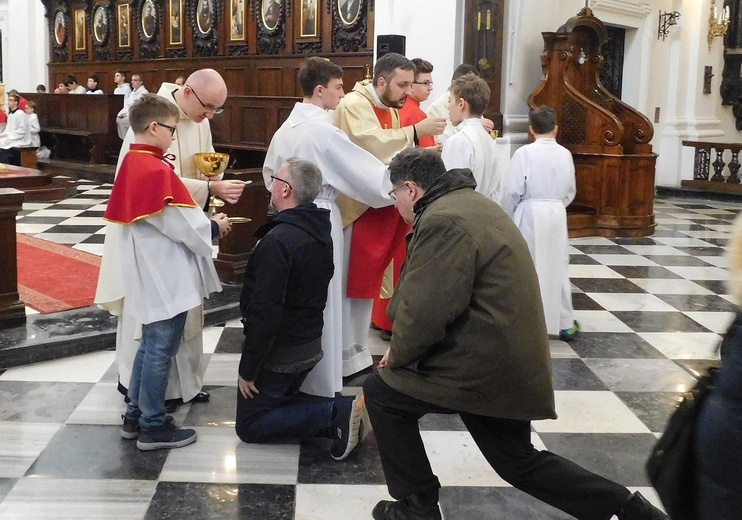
<point>25,44</point>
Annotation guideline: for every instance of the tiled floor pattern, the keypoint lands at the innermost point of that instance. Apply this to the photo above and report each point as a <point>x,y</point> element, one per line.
<point>651,309</point>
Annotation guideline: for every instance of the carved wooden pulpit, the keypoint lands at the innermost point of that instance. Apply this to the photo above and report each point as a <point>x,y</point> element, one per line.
<point>608,139</point>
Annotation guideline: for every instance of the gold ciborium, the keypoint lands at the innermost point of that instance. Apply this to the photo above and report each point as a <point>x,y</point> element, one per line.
<point>212,164</point>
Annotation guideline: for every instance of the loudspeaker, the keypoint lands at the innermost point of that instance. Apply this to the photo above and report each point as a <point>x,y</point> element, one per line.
<point>386,43</point>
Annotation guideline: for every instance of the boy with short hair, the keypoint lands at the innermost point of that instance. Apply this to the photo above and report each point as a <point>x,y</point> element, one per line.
<point>537,188</point>
<point>471,146</point>
<point>163,266</point>
<point>422,86</point>
<point>33,123</point>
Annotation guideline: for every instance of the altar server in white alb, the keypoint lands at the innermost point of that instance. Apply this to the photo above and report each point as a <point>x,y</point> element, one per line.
<point>471,146</point>
<point>538,187</point>
<point>309,134</point>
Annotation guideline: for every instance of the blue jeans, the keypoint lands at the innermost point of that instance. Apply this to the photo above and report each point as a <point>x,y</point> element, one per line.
<point>280,412</point>
<point>149,375</point>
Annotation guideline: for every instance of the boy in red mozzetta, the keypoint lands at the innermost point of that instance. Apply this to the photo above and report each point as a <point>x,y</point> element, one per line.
<point>162,268</point>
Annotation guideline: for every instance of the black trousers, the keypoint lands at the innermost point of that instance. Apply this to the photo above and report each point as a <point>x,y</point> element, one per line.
<point>505,443</point>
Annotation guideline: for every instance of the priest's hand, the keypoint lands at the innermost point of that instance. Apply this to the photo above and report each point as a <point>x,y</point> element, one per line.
<point>225,226</point>
<point>488,124</point>
<point>247,388</point>
<point>230,190</point>
<point>431,126</point>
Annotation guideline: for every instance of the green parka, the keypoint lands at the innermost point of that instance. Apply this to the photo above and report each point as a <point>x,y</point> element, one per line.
<point>469,331</point>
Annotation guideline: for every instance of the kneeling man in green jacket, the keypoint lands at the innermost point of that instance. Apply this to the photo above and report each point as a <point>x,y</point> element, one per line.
<point>469,338</point>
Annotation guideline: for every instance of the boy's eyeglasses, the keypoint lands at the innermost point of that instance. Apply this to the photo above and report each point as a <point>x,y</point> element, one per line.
<point>171,128</point>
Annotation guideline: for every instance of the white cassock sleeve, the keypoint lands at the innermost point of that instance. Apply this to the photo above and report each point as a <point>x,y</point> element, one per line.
<point>514,183</point>
<point>185,226</point>
<point>458,152</point>
<point>356,173</point>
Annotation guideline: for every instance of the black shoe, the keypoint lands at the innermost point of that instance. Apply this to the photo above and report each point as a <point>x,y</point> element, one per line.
<point>171,405</point>
<point>407,509</point>
<point>638,508</point>
<point>201,397</point>
<point>346,425</point>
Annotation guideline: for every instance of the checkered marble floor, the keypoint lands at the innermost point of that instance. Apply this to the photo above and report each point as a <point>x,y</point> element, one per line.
<point>651,309</point>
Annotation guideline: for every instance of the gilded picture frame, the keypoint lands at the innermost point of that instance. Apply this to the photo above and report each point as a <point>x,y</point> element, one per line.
<point>60,28</point>
<point>271,14</point>
<point>349,11</point>
<point>204,16</point>
<point>148,19</point>
<point>237,20</point>
<point>309,19</point>
<point>80,32</point>
<point>100,24</point>
<point>175,11</point>
<point>124,25</point>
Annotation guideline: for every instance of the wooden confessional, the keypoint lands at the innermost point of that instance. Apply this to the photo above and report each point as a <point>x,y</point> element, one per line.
<point>609,140</point>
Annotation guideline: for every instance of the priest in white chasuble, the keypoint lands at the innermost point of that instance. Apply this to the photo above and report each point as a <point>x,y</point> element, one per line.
<point>309,134</point>
<point>199,100</point>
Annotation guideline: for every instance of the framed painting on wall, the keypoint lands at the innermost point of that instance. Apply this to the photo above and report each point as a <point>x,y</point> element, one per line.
<point>349,11</point>
<point>60,28</point>
<point>176,22</point>
<point>271,10</point>
<point>100,25</point>
<point>124,23</point>
<point>308,18</point>
<point>204,16</point>
<point>80,30</point>
<point>149,19</point>
<point>237,20</point>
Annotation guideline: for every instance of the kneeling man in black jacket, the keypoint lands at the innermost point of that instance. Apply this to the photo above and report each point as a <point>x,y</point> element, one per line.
<point>282,302</point>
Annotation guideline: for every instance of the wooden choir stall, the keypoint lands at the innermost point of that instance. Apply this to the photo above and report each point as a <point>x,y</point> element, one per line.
<point>609,140</point>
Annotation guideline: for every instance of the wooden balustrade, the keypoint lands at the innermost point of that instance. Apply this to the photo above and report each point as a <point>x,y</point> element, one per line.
<point>725,176</point>
<point>12,309</point>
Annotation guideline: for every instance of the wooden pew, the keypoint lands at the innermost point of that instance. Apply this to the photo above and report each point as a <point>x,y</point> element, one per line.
<point>81,126</point>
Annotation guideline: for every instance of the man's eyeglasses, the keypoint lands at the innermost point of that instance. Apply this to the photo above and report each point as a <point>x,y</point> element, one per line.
<point>393,195</point>
<point>426,83</point>
<point>171,128</point>
<point>210,108</point>
<point>280,179</point>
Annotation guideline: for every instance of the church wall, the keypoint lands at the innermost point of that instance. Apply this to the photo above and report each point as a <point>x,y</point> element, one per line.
<point>25,46</point>
<point>433,29</point>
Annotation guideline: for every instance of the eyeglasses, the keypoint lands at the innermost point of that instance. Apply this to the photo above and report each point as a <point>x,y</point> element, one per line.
<point>393,195</point>
<point>280,179</point>
<point>171,128</point>
<point>426,83</point>
<point>210,108</point>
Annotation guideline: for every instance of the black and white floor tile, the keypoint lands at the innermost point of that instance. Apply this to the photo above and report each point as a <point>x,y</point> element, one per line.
<point>652,311</point>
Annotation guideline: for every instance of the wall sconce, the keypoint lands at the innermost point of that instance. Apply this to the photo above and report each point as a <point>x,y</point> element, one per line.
<point>666,20</point>
<point>718,24</point>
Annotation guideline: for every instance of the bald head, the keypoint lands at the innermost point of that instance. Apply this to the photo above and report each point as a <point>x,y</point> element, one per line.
<point>203,93</point>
